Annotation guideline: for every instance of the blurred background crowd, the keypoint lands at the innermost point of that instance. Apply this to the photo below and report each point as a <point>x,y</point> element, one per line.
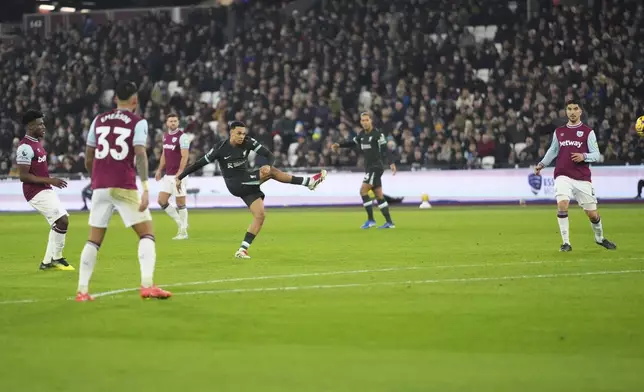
<point>453,83</point>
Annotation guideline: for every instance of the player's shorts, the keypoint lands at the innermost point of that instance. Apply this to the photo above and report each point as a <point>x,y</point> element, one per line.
<point>582,191</point>
<point>169,185</point>
<point>126,201</point>
<point>246,187</point>
<point>48,204</point>
<point>373,178</point>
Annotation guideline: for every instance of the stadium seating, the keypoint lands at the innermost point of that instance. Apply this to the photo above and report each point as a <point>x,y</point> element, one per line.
<point>436,81</point>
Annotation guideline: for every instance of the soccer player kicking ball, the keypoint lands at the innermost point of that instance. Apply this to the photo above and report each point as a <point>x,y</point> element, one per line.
<point>374,146</point>
<point>574,146</point>
<point>31,158</point>
<point>174,159</point>
<point>232,155</point>
<point>116,139</point>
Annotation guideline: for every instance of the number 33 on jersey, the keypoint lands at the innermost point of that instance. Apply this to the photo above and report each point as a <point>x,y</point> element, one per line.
<point>114,135</point>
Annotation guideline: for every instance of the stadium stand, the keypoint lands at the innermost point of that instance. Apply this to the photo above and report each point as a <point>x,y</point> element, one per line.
<point>454,84</point>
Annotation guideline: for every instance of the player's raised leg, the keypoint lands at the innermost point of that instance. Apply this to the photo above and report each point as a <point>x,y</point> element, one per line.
<point>256,208</point>
<point>270,173</point>
<point>384,208</point>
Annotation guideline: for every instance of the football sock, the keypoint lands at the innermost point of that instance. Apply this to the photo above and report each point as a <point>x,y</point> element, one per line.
<point>640,185</point>
<point>300,180</point>
<point>147,259</point>
<point>564,226</point>
<point>172,213</point>
<point>58,235</point>
<point>248,239</point>
<point>368,206</point>
<point>183,217</point>
<point>384,208</point>
<point>88,261</point>
<point>597,229</point>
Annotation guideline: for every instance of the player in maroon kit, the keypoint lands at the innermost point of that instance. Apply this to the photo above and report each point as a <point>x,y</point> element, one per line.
<point>31,158</point>
<point>117,139</point>
<point>574,146</point>
<point>176,147</point>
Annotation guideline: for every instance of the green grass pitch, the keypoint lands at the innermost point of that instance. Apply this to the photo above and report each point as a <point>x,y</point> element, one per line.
<point>453,299</point>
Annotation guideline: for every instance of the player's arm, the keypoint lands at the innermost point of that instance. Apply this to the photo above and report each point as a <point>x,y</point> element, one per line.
<point>346,144</point>
<point>141,160</point>
<point>210,157</point>
<point>184,144</point>
<point>385,153</point>
<point>551,154</point>
<point>90,149</point>
<point>159,171</point>
<point>24,155</point>
<point>261,150</point>
<point>593,154</point>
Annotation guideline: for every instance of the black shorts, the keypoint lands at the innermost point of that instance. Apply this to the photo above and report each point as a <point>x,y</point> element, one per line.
<point>373,177</point>
<point>246,187</point>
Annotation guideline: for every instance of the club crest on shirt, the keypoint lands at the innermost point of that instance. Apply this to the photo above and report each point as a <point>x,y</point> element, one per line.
<point>580,133</point>
<point>174,140</point>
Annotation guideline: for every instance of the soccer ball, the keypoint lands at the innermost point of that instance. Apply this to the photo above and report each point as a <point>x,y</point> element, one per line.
<point>639,126</point>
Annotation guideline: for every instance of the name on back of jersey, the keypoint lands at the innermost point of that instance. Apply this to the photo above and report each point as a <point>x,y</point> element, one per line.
<point>117,116</point>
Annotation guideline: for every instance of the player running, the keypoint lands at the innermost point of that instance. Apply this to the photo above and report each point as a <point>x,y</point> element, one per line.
<point>115,140</point>
<point>374,147</point>
<point>574,146</point>
<point>232,155</point>
<point>176,148</point>
<point>31,158</point>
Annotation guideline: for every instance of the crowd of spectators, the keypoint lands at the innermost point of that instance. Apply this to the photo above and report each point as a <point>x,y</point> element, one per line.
<point>300,80</point>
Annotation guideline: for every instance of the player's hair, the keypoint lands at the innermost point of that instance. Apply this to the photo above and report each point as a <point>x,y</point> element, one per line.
<point>573,101</point>
<point>171,115</point>
<point>365,114</point>
<point>125,90</point>
<point>234,124</point>
<point>31,115</point>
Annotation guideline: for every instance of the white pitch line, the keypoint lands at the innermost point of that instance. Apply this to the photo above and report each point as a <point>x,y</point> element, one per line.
<point>363,271</point>
<point>331,273</point>
<point>410,282</point>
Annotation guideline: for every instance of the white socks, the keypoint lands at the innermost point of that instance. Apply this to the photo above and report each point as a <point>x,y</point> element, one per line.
<point>58,237</point>
<point>172,213</point>
<point>87,263</point>
<point>147,259</point>
<point>50,248</point>
<point>564,226</point>
<point>598,229</point>
<point>183,217</point>
<point>55,244</point>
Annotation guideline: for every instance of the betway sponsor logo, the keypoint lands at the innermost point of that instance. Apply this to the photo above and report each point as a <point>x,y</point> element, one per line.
<point>169,146</point>
<point>574,143</point>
